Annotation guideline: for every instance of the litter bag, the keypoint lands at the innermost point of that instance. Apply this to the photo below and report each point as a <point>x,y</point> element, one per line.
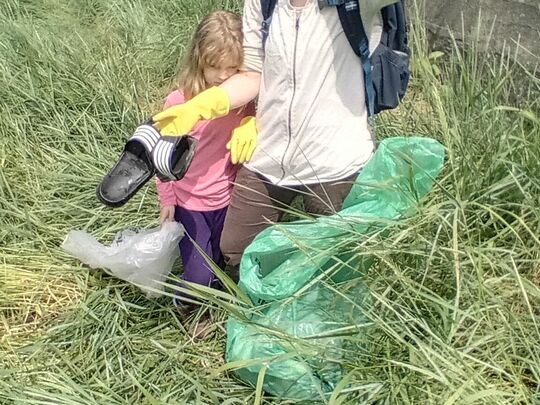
<point>305,277</point>
<point>142,257</point>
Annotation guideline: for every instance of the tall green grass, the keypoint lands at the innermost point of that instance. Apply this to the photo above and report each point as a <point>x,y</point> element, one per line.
<point>456,290</point>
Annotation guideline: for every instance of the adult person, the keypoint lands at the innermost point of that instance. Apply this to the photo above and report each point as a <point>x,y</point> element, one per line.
<point>312,121</point>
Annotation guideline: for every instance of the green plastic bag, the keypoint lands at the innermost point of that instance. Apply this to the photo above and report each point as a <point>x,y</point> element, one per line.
<point>306,280</point>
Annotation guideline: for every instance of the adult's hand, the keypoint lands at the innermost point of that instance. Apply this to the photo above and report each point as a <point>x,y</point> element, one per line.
<point>243,141</point>
<point>180,119</point>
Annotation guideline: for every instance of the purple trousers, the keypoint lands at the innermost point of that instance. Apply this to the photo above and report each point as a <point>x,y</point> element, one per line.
<point>204,228</point>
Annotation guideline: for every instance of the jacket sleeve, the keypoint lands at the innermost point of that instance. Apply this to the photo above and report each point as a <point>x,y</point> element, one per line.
<point>253,49</point>
<point>373,7</point>
<point>370,11</point>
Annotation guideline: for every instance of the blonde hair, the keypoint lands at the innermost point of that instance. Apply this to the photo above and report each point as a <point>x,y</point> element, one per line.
<point>217,39</point>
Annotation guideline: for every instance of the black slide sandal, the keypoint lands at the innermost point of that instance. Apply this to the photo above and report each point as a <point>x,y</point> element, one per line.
<point>133,169</point>
<point>172,156</point>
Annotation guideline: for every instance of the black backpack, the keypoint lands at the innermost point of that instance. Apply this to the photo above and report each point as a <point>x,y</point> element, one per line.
<point>386,71</point>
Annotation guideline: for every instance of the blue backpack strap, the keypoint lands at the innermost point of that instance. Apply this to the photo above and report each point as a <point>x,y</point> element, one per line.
<point>391,59</point>
<point>386,72</point>
<point>349,15</point>
<point>267,8</point>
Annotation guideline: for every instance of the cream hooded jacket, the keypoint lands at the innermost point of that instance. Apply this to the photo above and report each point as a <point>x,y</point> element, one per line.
<point>311,114</point>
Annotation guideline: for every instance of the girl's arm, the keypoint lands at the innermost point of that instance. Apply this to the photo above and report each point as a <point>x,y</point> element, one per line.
<point>165,193</point>
<point>165,190</point>
<point>167,201</point>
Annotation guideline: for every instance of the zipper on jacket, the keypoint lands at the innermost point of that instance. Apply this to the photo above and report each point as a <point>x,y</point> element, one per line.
<point>289,119</point>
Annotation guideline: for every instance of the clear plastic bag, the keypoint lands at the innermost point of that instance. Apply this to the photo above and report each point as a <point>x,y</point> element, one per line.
<point>142,257</point>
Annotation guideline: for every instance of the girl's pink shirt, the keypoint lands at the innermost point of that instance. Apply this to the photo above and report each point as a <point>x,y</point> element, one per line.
<point>207,185</point>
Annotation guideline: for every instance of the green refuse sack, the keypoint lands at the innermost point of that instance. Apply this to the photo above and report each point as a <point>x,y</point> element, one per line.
<point>305,277</point>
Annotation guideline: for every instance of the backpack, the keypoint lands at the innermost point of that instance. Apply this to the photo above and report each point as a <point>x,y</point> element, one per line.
<point>386,71</point>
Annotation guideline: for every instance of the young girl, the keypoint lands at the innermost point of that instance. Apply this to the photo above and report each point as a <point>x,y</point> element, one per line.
<point>200,200</point>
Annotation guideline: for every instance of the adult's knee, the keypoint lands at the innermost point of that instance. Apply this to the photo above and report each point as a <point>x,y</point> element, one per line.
<point>230,249</point>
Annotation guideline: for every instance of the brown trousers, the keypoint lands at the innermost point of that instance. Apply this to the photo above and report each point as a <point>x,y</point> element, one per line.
<point>256,204</point>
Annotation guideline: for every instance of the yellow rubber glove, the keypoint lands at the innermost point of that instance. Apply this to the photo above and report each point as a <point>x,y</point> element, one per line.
<point>180,119</point>
<point>243,141</point>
